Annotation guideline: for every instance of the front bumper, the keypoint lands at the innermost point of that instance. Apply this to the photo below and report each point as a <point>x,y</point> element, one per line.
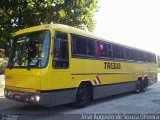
<point>47,98</point>
<point>28,97</point>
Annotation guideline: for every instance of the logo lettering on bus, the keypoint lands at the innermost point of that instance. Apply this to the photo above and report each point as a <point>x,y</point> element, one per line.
<point>112,65</point>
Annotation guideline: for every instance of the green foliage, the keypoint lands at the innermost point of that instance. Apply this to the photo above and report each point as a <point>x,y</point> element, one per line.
<point>19,14</point>
<point>3,63</point>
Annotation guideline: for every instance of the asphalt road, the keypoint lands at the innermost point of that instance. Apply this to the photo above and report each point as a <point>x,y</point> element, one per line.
<point>125,104</point>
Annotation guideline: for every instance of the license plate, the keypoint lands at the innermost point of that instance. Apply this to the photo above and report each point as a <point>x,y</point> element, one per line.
<point>17,96</point>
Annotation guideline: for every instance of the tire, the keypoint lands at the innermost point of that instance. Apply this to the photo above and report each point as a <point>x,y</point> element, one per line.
<point>144,84</point>
<point>83,96</point>
<point>143,88</point>
<point>138,86</point>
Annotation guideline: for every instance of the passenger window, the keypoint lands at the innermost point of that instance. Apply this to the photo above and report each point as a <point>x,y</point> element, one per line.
<point>152,57</point>
<point>90,48</point>
<point>60,52</point>
<point>139,55</point>
<point>118,52</point>
<point>100,49</point>
<point>83,46</point>
<point>130,55</point>
<point>103,50</point>
<point>109,50</point>
<point>145,55</point>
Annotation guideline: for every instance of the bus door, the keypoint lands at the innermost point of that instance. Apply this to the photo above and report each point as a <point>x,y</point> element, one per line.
<point>61,71</point>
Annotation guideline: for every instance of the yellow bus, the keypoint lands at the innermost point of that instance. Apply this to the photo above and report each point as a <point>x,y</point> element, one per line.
<point>56,64</point>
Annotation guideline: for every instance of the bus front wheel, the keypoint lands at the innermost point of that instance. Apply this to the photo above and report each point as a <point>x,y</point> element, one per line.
<point>83,96</point>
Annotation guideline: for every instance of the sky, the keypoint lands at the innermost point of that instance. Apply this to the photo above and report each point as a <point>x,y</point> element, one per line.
<point>131,22</point>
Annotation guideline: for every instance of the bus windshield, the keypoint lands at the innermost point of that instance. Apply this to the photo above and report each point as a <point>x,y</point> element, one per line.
<point>30,50</point>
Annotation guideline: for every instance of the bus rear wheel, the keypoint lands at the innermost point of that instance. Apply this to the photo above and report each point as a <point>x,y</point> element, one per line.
<point>144,84</point>
<point>83,96</point>
<point>138,86</point>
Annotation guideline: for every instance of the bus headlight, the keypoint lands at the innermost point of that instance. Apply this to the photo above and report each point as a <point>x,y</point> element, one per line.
<point>32,98</point>
<point>37,97</point>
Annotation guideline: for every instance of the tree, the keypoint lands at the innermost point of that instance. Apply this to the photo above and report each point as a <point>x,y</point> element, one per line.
<point>20,14</point>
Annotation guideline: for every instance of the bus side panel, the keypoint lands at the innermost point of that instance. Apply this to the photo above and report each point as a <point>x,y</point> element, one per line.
<point>113,89</point>
<point>58,97</point>
<point>112,81</point>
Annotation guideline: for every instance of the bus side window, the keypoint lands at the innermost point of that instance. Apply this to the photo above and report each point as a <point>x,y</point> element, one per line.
<point>130,54</point>
<point>109,50</point>
<point>60,52</point>
<point>82,46</point>
<point>101,49</point>
<point>118,52</point>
